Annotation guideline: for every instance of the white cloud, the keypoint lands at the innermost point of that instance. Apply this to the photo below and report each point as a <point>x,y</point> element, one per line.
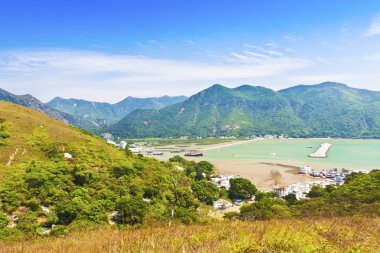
<point>374,28</point>
<point>111,77</point>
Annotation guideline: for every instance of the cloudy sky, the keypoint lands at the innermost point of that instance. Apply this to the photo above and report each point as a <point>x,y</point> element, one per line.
<point>108,50</point>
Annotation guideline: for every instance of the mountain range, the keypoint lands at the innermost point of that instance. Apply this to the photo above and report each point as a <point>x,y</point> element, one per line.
<point>91,116</point>
<point>34,103</point>
<point>106,113</point>
<point>323,110</point>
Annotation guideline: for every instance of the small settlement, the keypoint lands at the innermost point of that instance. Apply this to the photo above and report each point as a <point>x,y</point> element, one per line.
<point>328,177</point>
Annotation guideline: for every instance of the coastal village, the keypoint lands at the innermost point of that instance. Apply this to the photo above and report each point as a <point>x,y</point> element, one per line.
<point>321,178</point>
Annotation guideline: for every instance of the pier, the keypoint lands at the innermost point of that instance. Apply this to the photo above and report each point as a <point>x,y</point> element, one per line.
<point>322,151</point>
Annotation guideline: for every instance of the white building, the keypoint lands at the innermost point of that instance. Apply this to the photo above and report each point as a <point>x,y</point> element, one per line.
<point>306,170</point>
<point>123,144</point>
<point>222,203</point>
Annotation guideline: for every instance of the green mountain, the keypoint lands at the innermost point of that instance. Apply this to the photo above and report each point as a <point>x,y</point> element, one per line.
<point>323,110</point>
<point>34,103</point>
<point>105,113</point>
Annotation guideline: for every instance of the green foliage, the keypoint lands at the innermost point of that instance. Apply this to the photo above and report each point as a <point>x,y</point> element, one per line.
<point>205,191</point>
<point>231,215</point>
<point>265,208</point>
<point>203,170</point>
<point>241,188</point>
<point>316,192</point>
<point>131,210</point>
<point>291,199</point>
<point>359,194</point>
<point>4,221</point>
<point>4,132</point>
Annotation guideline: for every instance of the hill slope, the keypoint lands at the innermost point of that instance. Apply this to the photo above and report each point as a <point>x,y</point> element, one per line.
<point>323,110</point>
<point>93,179</point>
<point>105,113</point>
<point>34,103</point>
<point>333,109</point>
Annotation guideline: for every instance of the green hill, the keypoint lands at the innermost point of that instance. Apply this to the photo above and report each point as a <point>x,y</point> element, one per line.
<point>105,113</point>
<point>93,180</point>
<point>324,110</point>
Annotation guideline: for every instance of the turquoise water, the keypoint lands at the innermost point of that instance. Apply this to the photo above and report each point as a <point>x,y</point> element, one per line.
<point>353,154</point>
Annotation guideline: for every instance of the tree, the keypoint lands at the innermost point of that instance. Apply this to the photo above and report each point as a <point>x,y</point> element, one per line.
<point>205,191</point>
<point>241,188</point>
<point>316,192</point>
<point>131,210</point>
<point>203,168</point>
<point>127,151</point>
<point>291,199</point>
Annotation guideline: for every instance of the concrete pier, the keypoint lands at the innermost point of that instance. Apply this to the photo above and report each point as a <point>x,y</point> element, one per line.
<point>322,151</point>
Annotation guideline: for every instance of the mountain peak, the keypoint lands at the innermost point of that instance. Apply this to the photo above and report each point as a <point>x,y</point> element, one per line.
<point>331,84</point>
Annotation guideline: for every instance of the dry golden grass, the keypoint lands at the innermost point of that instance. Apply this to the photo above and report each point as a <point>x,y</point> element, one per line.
<point>320,235</point>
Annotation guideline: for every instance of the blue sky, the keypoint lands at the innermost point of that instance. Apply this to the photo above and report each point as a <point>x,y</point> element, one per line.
<point>107,50</point>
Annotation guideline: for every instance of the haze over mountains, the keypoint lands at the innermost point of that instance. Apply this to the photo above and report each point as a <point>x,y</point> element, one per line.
<point>322,110</point>
<point>105,113</point>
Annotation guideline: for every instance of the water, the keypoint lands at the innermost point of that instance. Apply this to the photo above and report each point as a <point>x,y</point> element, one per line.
<point>353,154</point>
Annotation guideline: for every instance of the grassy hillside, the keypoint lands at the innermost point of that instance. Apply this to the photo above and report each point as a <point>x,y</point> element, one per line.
<point>324,110</point>
<point>310,235</point>
<point>27,125</point>
<point>34,103</point>
<point>98,180</point>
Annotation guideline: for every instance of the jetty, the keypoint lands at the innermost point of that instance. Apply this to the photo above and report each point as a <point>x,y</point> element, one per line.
<point>322,152</point>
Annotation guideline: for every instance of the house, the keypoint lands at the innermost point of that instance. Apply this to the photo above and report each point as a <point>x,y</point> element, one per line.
<point>123,144</point>
<point>222,204</point>
<point>222,181</point>
<point>306,170</point>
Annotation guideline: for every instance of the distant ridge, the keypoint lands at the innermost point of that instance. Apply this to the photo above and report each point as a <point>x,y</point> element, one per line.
<point>106,113</point>
<point>327,109</point>
<point>34,103</point>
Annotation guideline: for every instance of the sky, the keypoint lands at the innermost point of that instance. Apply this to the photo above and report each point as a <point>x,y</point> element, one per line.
<point>108,50</point>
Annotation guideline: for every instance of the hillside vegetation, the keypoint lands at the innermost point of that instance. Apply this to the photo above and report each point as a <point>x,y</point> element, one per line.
<point>324,110</point>
<point>41,187</point>
<point>303,236</point>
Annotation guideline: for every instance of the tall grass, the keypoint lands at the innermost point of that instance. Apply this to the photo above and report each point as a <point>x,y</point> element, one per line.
<point>319,235</point>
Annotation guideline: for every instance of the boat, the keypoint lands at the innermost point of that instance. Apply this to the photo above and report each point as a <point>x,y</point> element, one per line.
<point>158,153</point>
<point>194,154</point>
<point>309,147</point>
